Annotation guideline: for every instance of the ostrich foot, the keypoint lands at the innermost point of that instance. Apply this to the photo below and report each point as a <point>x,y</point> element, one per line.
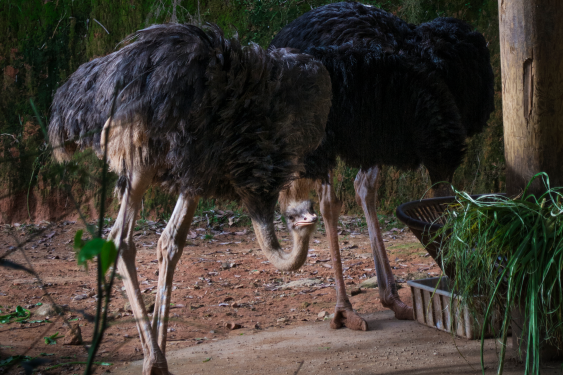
<point>402,310</point>
<point>153,366</point>
<point>348,318</point>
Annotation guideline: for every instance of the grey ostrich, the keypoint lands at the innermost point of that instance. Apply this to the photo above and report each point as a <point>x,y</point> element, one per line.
<point>201,116</point>
<point>403,95</point>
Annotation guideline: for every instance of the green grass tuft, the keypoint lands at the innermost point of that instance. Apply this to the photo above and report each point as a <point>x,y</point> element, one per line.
<point>511,252</point>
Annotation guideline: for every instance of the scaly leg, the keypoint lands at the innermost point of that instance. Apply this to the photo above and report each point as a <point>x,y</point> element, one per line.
<point>122,234</point>
<point>170,247</point>
<point>330,207</point>
<point>366,194</point>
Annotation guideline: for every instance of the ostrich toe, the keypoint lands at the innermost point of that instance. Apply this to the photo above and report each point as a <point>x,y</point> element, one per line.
<point>402,310</point>
<point>349,319</point>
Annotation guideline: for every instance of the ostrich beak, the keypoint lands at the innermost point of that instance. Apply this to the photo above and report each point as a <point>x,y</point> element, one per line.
<point>308,219</point>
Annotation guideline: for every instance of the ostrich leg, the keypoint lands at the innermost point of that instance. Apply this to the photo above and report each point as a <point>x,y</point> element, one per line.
<point>122,234</point>
<point>169,249</point>
<point>366,194</point>
<point>330,207</point>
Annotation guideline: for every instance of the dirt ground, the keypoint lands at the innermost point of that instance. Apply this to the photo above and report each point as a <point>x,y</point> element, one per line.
<point>223,277</point>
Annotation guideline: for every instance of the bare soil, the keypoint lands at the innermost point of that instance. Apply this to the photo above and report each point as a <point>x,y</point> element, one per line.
<point>223,278</point>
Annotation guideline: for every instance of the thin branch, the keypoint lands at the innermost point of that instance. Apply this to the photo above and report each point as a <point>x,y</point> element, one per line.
<point>98,22</point>
<point>10,135</point>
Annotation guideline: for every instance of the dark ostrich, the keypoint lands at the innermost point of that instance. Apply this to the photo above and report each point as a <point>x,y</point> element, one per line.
<point>403,95</point>
<point>203,116</point>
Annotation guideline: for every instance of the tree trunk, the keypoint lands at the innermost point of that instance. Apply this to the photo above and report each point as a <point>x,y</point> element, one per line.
<point>531,35</point>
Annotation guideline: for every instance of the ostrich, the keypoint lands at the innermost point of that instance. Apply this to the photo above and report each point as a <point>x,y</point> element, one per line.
<point>202,116</point>
<point>403,95</point>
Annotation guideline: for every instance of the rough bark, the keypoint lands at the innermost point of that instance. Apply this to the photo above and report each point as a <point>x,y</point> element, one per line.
<point>532,89</point>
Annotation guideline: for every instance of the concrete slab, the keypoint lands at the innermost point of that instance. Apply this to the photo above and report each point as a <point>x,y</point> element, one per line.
<point>389,347</point>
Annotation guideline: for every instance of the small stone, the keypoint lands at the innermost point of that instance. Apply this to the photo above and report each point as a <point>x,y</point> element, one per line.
<point>256,326</point>
<point>301,283</point>
<point>304,305</point>
<point>235,305</point>
<point>149,303</point>
<point>322,315</point>
<point>366,255</point>
<point>212,331</point>
<point>80,297</point>
<point>233,326</point>
<point>74,335</point>
<point>355,291</point>
<point>282,320</point>
<point>369,283</point>
<point>48,309</point>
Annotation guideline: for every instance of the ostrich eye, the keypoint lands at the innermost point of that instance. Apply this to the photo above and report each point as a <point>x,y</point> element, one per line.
<point>291,218</point>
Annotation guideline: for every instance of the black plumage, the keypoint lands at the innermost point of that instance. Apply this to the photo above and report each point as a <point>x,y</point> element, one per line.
<point>219,119</point>
<point>402,94</point>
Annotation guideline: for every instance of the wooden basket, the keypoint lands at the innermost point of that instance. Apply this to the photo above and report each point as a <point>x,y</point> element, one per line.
<point>433,304</point>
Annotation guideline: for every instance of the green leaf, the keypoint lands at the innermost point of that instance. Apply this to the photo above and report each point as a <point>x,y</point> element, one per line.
<point>52,340</point>
<point>108,255</point>
<point>90,250</point>
<point>39,304</point>
<point>207,359</point>
<point>19,315</point>
<point>78,243</point>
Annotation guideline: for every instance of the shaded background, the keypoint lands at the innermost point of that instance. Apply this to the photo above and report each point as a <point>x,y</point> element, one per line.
<point>43,41</point>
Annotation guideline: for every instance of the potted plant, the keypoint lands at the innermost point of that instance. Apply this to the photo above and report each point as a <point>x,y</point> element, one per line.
<point>511,252</point>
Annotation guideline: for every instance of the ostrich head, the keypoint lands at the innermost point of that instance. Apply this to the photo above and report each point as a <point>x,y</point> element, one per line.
<point>301,218</point>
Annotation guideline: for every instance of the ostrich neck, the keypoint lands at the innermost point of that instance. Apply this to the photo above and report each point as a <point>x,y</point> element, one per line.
<point>266,236</point>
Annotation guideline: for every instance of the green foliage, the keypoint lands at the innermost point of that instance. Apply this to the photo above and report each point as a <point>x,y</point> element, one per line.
<point>96,246</point>
<point>19,315</point>
<point>510,252</point>
<point>52,340</point>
